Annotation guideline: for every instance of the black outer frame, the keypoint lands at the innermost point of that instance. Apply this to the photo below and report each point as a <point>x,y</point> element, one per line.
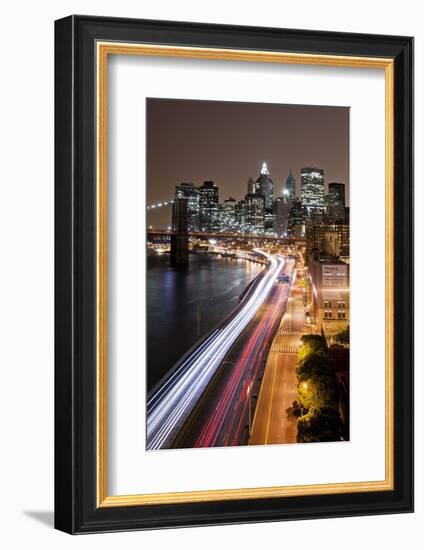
<point>75,275</point>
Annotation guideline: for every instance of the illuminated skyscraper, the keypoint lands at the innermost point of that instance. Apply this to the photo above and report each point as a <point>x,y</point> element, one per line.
<point>209,207</point>
<point>336,203</point>
<point>312,190</point>
<point>251,186</point>
<point>229,216</point>
<point>190,193</point>
<point>290,187</point>
<point>255,213</point>
<point>264,186</point>
<point>282,208</point>
<point>298,216</point>
<point>241,216</point>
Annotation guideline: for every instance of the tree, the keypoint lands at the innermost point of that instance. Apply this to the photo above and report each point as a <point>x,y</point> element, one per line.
<point>310,343</point>
<point>318,392</point>
<point>314,363</point>
<point>343,337</point>
<point>294,411</point>
<point>323,426</point>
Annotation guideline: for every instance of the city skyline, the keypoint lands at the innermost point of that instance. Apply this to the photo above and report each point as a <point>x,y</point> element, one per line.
<point>218,146</point>
<point>259,212</point>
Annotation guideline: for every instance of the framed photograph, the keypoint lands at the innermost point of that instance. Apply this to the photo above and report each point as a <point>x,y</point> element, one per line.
<point>234,274</point>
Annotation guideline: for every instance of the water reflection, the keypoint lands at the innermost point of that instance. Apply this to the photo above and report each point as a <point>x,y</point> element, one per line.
<point>182,306</point>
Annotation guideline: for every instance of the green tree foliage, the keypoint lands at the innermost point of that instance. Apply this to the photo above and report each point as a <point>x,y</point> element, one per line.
<point>322,425</point>
<point>314,364</point>
<point>318,392</point>
<point>310,343</point>
<point>343,337</point>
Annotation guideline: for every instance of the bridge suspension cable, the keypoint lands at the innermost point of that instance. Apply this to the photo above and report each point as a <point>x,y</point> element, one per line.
<point>160,205</point>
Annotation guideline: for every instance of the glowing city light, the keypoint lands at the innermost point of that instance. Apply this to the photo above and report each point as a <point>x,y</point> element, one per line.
<point>264,169</point>
<point>159,204</point>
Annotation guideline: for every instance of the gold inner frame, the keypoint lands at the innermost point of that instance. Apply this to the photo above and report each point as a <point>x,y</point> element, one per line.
<point>103,50</point>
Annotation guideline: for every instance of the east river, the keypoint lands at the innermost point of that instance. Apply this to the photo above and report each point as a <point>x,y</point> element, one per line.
<point>182,306</point>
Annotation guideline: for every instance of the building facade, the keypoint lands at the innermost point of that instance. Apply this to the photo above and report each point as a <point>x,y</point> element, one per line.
<point>297,219</point>
<point>269,221</point>
<point>282,208</point>
<point>251,186</point>
<point>264,186</point>
<point>209,207</point>
<point>241,216</point>
<point>255,213</point>
<point>190,193</point>
<point>329,280</point>
<point>333,239</point>
<point>336,203</point>
<point>312,188</point>
<point>315,216</point>
<point>229,216</point>
<point>290,187</point>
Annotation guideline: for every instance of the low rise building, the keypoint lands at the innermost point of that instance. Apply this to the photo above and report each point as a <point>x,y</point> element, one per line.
<point>332,239</point>
<point>329,278</point>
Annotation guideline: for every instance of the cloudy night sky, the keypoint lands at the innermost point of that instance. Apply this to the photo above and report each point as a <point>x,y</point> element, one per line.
<point>227,142</point>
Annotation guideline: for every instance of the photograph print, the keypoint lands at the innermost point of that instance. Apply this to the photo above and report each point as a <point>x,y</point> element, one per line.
<point>247,277</point>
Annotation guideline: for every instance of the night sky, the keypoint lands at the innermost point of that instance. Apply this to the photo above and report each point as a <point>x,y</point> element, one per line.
<point>194,141</point>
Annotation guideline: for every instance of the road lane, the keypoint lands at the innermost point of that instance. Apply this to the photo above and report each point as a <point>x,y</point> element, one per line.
<point>279,385</point>
<point>227,422</point>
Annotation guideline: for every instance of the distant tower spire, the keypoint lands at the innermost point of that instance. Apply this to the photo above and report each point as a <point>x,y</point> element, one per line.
<point>264,170</point>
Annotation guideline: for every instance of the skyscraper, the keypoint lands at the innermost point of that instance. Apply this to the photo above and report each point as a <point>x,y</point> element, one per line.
<point>315,216</point>
<point>336,203</point>
<point>336,193</point>
<point>209,207</point>
<point>282,207</point>
<point>229,216</point>
<point>312,190</point>
<point>290,187</point>
<point>190,193</point>
<point>297,219</point>
<point>241,216</point>
<point>251,186</point>
<point>264,186</point>
<point>255,213</point>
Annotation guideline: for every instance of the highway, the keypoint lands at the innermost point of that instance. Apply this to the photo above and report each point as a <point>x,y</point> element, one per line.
<point>171,404</point>
<point>227,419</point>
<point>271,424</point>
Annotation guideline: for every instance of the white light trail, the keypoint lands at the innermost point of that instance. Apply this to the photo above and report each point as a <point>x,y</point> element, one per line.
<point>171,404</point>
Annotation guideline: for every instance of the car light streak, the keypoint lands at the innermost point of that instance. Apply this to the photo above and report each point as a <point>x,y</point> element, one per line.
<point>224,427</point>
<point>172,403</point>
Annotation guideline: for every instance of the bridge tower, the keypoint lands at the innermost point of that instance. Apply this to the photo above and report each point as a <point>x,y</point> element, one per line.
<point>179,237</point>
